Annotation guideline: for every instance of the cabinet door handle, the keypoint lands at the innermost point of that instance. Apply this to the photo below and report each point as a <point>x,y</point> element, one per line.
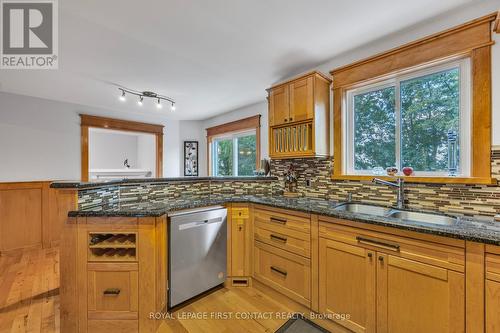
<point>377,243</point>
<point>370,254</point>
<point>278,220</point>
<point>381,259</point>
<point>278,238</point>
<point>286,120</point>
<point>111,292</point>
<point>291,118</point>
<point>279,271</point>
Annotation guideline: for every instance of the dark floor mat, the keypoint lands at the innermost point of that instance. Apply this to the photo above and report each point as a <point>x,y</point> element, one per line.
<point>299,324</point>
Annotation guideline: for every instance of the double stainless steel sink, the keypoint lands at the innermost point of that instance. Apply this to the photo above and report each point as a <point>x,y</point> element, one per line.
<point>396,213</point>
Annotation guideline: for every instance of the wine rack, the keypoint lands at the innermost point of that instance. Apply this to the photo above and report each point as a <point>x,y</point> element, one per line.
<point>293,139</point>
<point>112,246</point>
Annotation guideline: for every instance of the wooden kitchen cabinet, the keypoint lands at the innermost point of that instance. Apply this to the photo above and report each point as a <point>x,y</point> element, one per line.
<point>389,283</point>
<point>113,274</point>
<point>492,290</point>
<point>348,284</point>
<point>415,297</point>
<point>301,99</point>
<point>299,117</point>
<point>279,105</point>
<point>239,244</point>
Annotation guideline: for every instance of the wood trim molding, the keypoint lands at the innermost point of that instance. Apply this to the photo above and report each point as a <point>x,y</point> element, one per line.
<point>472,39</point>
<point>119,124</point>
<point>235,126</point>
<point>496,26</point>
<point>87,121</point>
<point>300,76</point>
<point>455,41</point>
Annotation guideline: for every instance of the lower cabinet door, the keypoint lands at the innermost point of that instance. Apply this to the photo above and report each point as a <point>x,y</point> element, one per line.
<point>492,306</point>
<point>347,282</point>
<point>414,297</point>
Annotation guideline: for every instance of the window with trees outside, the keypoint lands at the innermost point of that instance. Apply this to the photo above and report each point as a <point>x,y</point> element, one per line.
<point>234,155</point>
<point>420,119</point>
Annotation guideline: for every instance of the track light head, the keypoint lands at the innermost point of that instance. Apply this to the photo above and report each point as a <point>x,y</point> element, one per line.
<point>158,105</point>
<point>140,100</point>
<point>122,97</point>
<point>173,107</point>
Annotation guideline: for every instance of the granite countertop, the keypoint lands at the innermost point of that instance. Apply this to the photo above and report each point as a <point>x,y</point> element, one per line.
<point>68,184</point>
<point>479,230</point>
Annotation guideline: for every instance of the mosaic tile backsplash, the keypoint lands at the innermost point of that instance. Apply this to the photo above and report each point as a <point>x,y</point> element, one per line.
<point>172,190</point>
<point>468,200</point>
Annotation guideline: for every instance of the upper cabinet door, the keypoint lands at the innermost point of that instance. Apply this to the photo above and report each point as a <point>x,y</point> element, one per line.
<point>301,99</point>
<point>279,107</point>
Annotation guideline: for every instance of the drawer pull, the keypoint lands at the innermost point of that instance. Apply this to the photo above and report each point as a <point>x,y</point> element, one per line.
<point>111,292</point>
<point>278,220</point>
<point>278,238</point>
<point>279,271</point>
<point>377,243</point>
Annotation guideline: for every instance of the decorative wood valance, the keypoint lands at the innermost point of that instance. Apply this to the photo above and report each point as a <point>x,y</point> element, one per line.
<point>235,126</point>
<point>496,27</point>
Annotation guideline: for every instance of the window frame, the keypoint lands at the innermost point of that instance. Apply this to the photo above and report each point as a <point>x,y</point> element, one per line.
<point>234,136</point>
<point>395,81</point>
<point>244,125</point>
<point>471,39</point>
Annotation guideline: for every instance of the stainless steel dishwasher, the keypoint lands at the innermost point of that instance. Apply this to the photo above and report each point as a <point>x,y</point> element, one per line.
<point>197,252</point>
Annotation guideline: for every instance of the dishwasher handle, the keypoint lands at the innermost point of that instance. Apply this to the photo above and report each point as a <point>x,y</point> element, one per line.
<point>196,224</point>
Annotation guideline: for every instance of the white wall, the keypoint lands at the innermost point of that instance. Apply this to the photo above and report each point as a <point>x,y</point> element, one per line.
<point>146,152</point>
<point>40,139</point>
<point>108,150</point>
<point>192,130</point>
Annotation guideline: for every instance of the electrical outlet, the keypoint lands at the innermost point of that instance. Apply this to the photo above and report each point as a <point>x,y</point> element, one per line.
<point>308,183</point>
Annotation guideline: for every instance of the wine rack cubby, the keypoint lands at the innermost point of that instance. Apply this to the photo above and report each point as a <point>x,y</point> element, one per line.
<point>112,246</point>
<point>293,139</point>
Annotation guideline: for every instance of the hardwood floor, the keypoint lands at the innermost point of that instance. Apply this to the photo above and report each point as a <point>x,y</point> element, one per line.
<point>29,302</point>
<point>29,291</point>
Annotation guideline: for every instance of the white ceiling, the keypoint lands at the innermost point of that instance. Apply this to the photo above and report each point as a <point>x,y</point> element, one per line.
<point>210,56</point>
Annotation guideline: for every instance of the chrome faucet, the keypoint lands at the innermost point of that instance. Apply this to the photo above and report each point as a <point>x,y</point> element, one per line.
<point>401,190</point>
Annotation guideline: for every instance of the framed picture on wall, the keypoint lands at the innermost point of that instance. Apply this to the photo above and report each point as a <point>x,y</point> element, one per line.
<point>190,158</point>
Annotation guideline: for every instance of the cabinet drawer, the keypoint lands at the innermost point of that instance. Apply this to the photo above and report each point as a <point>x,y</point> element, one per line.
<point>240,212</point>
<point>280,217</point>
<point>109,326</point>
<point>112,291</point>
<point>288,273</point>
<point>293,241</point>
<point>437,254</point>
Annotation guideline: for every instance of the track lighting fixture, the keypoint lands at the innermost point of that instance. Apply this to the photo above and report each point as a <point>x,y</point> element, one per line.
<point>149,94</point>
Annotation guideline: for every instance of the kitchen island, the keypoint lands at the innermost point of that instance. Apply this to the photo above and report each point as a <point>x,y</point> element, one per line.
<point>296,246</point>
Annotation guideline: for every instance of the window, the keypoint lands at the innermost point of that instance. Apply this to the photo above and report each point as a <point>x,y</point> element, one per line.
<point>233,148</point>
<point>234,155</point>
<point>420,119</point>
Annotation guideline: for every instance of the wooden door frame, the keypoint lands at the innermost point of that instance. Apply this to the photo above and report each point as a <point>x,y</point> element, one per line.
<point>87,121</point>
